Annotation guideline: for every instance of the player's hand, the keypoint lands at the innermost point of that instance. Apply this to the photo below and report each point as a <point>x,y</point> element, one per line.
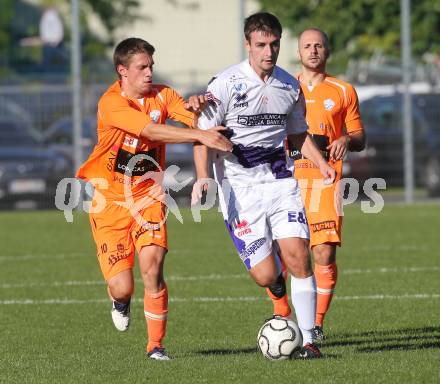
<point>338,148</point>
<point>196,103</point>
<point>199,188</point>
<point>213,138</point>
<point>328,173</point>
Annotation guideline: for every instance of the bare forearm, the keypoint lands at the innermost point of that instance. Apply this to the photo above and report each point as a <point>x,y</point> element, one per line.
<point>357,141</point>
<point>168,134</point>
<point>201,157</point>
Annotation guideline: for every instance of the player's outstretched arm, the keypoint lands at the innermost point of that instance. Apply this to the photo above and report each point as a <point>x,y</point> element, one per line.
<point>309,149</point>
<point>201,162</point>
<point>212,138</point>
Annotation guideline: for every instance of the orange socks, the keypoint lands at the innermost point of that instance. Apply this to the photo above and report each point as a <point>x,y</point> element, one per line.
<point>278,294</point>
<point>156,310</point>
<point>326,277</point>
<point>280,304</point>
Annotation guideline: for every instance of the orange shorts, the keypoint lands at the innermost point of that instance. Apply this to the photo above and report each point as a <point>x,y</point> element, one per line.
<point>321,202</point>
<point>118,233</point>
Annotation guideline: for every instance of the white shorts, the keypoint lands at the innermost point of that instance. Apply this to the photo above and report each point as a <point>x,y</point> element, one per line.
<point>258,214</point>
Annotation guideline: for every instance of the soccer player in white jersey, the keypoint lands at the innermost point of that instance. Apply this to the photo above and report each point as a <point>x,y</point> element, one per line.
<point>261,105</point>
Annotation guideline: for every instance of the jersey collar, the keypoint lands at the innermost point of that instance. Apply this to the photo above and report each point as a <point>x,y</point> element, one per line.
<point>251,73</point>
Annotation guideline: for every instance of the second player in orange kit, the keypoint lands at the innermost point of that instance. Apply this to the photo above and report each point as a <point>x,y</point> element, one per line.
<point>332,114</point>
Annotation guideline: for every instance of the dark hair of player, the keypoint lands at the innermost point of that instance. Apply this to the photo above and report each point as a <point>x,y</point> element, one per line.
<point>129,47</point>
<point>262,21</point>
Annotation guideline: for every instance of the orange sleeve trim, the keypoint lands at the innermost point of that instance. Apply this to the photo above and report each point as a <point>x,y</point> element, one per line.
<point>354,126</point>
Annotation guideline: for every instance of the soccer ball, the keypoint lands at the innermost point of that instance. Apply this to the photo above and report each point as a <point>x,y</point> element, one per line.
<point>278,338</point>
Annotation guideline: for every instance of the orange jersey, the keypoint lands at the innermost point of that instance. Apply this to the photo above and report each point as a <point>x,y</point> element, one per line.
<point>332,109</point>
<point>120,123</point>
<point>331,106</point>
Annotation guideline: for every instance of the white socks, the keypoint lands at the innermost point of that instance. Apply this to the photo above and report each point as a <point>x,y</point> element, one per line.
<point>303,292</point>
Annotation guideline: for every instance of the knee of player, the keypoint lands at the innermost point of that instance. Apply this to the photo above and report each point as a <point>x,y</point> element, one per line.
<point>121,292</point>
<point>152,273</point>
<point>324,254</point>
<point>299,255</point>
<point>265,280</point>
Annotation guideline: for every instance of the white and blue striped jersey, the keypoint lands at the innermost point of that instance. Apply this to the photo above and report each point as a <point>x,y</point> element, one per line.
<point>258,115</point>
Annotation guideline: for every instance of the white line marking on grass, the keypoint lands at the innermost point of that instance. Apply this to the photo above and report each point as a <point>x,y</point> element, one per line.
<point>101,282</point>
<point>416,296</point>
<point>177,252</point>
<point>213,277</point>
<point>62,256</point>
<point>51,301</point>
<point>387,248</point>
<point>59,256</point>
<point>53,284</point>
<point>390,297</point>
<point>390,270</point>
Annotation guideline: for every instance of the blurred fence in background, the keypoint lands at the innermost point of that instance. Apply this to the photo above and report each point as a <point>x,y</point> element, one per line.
<point>42,105</point>
<point>36,140</point>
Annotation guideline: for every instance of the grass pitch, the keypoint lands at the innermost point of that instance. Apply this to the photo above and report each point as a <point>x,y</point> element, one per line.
<point>55,321</point>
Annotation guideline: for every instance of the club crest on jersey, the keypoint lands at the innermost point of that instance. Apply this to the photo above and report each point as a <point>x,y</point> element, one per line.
<point>329,104</point>
<point>240,87</point>
<point>155,115</point>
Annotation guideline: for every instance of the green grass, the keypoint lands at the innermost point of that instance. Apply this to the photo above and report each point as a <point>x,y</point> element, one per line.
<point>56,327</point>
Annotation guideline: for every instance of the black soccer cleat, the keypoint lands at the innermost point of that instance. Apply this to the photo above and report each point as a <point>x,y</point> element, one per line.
<point>308,351</point>
<point>318,333</point>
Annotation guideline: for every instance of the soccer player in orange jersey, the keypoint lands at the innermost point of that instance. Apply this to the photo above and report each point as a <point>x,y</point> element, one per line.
<point>332,114</point>
<point>131,116</point>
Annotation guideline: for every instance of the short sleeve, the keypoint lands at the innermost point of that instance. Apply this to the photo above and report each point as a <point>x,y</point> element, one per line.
<point>296,121</point>
<point>353,120</point>
<point>176,108</point>
<point>214,113</point>
<point>115,111</point>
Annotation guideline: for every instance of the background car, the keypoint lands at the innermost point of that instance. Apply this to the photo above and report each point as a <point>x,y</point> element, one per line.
<point>29,172</point>
<point>180,155</point>
<point>59,138</point>
<point>429,104</point>
<point>383,124</point>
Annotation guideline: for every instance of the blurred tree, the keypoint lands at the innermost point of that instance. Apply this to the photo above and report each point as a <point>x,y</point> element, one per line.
<point>358,28</point>
<point>111,14</point>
